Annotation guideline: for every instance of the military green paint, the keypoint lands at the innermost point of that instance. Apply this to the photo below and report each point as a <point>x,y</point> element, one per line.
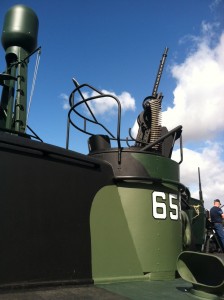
<point>19,39</point>
<point>127,241</point>
<point>9,103</point>
<point>161,238</point>
<point>113,251</point>
<point>197,215</point>
<point>21,94</point>
<point>177,289</point>
<point>157,242</point>
<point>20,28</point>
<point>196,268</point>
<point>158,166</point>
<point>17,91</point>
<point>128,236</point>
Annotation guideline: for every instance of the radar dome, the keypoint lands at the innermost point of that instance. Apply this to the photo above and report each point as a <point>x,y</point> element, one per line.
<point>20,28</point>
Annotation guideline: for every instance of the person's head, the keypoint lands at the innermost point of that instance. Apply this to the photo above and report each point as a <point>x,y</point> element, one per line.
<point>217,202</point>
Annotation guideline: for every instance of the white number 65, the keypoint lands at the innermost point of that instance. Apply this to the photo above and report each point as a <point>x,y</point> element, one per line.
<point>159,208</point>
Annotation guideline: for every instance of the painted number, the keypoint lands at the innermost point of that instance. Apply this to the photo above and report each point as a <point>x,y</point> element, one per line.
<point>160,207</point>
<point>174,213</point>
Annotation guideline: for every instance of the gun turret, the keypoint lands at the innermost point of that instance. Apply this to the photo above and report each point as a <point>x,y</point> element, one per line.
<point>149,120</point>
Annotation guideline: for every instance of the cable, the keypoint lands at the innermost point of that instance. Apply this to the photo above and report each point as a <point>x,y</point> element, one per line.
<point>33,83</point>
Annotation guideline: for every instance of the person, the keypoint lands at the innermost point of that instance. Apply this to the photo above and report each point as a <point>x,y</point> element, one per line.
<point>217,215</point>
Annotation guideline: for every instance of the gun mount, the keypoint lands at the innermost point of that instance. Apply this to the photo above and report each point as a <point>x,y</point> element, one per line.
<point>149,120</point>
<point>151,137</point>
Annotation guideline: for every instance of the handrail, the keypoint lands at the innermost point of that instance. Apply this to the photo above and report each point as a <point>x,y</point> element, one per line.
<point>173,132</point>
<point>94,121</point>
<point>176,132</point>
<point>162,138</point>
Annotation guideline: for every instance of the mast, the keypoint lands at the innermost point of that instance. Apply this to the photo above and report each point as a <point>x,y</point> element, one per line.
<point>19,39</point>
<point>200,190</point>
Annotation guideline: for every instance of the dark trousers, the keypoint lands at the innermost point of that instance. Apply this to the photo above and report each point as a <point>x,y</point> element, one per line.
<point>220,232</point>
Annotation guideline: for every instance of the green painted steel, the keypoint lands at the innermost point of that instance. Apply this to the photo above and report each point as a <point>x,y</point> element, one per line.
<point>20,28</point>
<point>158,166</point>
<point>198,222</point>
<point>204,271</point>
<point>21,94</point>
<point>177,289</point>
<point>14,98</point>
<point>157,241</point>
<point>113,252</point>
<point>136,226</point>
<point>19,39</point>
<point>9,103</point>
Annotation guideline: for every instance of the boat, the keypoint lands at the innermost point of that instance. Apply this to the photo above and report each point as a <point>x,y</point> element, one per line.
<point>115,223</point>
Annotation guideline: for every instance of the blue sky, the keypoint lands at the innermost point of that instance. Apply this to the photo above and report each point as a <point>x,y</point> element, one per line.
<point>116,46</point>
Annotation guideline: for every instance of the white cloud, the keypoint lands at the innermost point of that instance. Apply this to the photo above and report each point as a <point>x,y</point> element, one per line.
<point>214,4</point>
<point>198,106</point>
<point>106,105</point>
<point>65,101</point>
<point>198,97</point>
<point>198,102</point>
<point>134,129</point>
<point>208,159</point>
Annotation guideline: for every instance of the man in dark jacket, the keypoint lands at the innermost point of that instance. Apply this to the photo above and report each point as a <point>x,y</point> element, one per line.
<point>217,216</point>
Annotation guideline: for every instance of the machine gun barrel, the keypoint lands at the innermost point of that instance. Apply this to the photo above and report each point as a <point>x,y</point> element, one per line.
<point>159,73</point>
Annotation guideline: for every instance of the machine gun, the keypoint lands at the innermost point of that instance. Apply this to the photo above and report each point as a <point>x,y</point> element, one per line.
<point>149,120</point>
